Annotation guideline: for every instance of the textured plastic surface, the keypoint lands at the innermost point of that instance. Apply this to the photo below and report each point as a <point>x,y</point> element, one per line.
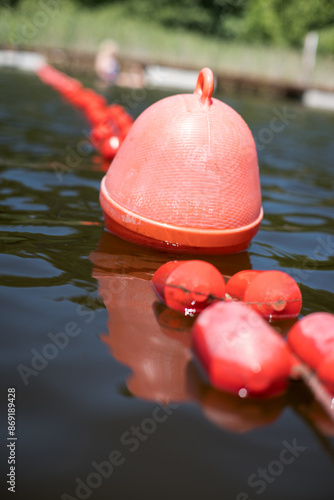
<point>186,175</point>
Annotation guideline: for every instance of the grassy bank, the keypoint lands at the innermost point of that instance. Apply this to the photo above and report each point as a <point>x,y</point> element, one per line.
<point>69,26</point>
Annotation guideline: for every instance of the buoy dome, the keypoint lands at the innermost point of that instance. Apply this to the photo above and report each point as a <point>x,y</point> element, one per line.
<point>186,175</point>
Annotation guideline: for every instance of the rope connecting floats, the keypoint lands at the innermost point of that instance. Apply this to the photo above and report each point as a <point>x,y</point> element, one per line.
<point>110,123</point>
<point>238,349</point>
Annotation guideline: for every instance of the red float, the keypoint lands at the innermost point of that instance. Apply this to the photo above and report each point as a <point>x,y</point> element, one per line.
<point>237,284</point>
<point>325,372</point>
<point>275,295</point>
<point>241,352</point>
<point>194,285</point>
<point>312,338</point>
<point>111,123</point>
<point>160,276</point>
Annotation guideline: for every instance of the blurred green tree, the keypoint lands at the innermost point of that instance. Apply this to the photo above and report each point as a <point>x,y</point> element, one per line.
<point>9,3</point>
<point>206,16</point>
<point>286,22</point>
<point>278,22</point>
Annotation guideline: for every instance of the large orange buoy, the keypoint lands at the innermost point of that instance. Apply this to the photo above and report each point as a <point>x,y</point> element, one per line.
<point>240,351</point>
<point>312,338</point>
<point>186,177</point>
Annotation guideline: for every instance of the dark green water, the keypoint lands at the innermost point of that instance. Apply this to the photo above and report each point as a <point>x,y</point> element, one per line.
<point>88,382</point>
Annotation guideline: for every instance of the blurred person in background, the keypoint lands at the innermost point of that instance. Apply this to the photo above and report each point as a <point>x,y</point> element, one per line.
<point>107,66</point>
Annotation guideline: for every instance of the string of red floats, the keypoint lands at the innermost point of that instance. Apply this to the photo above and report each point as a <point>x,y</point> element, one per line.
<point>110,123</point>
<point>239,350</point>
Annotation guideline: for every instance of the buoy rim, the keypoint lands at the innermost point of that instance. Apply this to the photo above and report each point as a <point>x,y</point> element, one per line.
<point>174,234</point>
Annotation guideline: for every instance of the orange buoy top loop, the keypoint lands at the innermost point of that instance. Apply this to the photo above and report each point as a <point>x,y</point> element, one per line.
<point>204,86</point>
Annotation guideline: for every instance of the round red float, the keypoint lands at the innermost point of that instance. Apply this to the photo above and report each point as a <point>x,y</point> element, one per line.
<point>160,276</point>
<point>194,285</point>
<point>312,338</point>
<point>325,372</point>
<point>237,284</point>
<point>275,295</point>
<point>240,351</point>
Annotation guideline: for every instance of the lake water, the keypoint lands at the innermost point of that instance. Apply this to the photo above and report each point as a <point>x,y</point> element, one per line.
<point>110,404</point>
